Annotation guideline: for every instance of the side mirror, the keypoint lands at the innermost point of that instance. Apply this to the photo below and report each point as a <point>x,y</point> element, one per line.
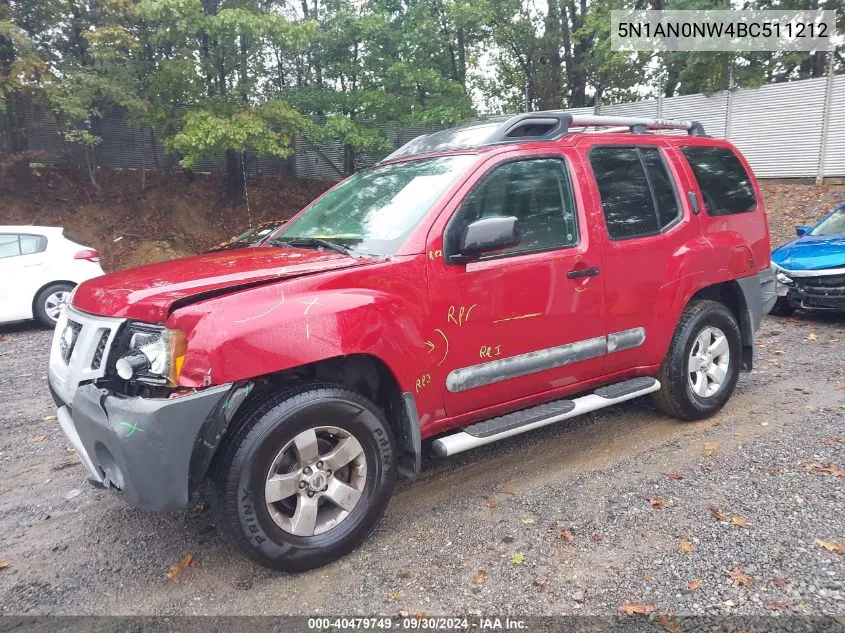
<point>486,235</point>
<point>802,230</point>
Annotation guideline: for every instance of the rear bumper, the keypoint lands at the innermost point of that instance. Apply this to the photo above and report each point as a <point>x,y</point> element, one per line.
<point>141,447</point>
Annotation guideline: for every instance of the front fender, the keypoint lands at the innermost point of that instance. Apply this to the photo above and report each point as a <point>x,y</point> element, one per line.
<point>292,323</point>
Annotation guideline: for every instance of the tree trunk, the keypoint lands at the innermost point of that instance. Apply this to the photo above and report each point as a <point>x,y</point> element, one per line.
<point>234,175</point>
<point>348,160</point>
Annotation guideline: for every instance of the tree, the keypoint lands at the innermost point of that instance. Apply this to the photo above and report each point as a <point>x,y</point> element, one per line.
<point>25,74</point>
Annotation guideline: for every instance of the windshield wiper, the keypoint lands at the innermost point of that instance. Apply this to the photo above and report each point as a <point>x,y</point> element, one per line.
<point>317,241</point>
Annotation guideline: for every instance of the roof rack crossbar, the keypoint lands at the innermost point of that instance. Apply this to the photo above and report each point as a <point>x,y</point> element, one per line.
<point>637,124</point>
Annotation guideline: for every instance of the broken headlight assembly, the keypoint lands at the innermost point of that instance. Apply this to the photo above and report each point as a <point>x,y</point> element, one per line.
<point>151,354</point>
<point>783,280</point>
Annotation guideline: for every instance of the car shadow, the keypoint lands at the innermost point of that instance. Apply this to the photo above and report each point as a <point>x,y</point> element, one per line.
<point>20,327</point>
<point>825,317</point>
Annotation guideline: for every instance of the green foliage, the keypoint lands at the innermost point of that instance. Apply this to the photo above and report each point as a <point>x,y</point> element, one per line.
<point>212,77</point>
<point>268,129</point>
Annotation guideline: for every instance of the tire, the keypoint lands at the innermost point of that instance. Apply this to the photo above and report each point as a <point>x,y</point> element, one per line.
<point>46,306</point>
<point>678,384</point>
<point>782,307</point>
<point>276,535</point>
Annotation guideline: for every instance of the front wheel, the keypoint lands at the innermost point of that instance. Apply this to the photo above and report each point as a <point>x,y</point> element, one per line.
<point>700,370</point>
<point>306,478</point>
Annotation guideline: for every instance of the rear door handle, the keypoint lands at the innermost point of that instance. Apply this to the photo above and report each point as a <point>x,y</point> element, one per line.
<point>583,272</point>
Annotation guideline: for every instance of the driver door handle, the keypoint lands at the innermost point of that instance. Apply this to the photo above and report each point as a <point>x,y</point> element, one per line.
<point>583,272</point>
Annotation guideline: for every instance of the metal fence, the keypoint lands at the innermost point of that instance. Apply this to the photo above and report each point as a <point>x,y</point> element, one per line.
<point>786,130</point>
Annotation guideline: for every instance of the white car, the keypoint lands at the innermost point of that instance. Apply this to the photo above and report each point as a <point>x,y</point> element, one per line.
<point>39,267</point>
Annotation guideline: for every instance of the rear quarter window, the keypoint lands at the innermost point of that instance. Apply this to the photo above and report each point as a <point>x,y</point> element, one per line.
<point>724,183</point>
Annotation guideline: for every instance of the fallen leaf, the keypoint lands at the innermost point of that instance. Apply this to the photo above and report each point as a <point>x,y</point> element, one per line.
<point>420,615</point>
<point>686,546</point>
<point>528,520</point>
<point>773,470</point>
<point>780,581</point>
<point>394,597</point>
<point>5,564</point>
<point>674,475</point>
<point>567,535</point>
<point>200,507</point>
<point>648,578</point>
<point>479,577</point>
<point>518,558</point>
<point>635,608</point>
<point>718,514</point>
<point>669,623</point>
<point>828,469</point>
<point>840,385</point>
<point>778,605</point>
<point>812,336</point>
<point>831,546</point>
<point>509,491</point>
<point>692,585</point>
<point>739,577</point>
<point>596,537</point>
<point>739,521</point>
<point>710,449</point>
<point>5,339</point>
<point>657,502</point>
<point>491,503</point>
<point>175,571</point>
<point>49,418</point>
<point>835,440</point>
<point>541,585</point>
<point>37,438</point>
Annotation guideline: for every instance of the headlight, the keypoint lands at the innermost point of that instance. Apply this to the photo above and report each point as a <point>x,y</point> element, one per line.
<point>780,274</point>
<point>154,355</point>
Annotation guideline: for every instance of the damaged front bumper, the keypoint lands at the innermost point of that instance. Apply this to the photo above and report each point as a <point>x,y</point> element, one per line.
<point>822,289</point>
<point>152,450</point>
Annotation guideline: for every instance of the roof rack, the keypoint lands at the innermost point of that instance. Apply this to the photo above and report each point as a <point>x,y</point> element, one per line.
<point>549,125</point>
<point>636,124</point>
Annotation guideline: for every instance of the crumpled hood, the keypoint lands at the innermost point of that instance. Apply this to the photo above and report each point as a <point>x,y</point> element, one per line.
<point>148,293</point>
<point>811,253</point>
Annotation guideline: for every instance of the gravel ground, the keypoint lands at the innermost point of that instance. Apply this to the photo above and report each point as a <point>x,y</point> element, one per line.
<point>558,521</point>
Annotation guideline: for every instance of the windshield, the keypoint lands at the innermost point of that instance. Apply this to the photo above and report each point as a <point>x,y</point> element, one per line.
<point>834,224</point>
<point>374,211</point>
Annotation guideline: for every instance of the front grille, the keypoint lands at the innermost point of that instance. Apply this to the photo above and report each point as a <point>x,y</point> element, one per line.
<point>80,350</point>
<point>68,339</point>
<point>822,287</point>
<point>101,348</point>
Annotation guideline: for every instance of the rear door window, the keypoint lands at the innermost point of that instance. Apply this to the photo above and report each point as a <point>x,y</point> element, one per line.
<point>32,244</point>
<point>637,193</point>
<point>724,183</point>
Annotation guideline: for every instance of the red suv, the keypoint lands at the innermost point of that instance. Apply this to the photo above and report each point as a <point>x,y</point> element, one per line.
<point>478,283</point>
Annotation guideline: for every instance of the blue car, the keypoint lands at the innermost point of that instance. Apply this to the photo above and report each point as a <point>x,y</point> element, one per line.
<point>810,271</point>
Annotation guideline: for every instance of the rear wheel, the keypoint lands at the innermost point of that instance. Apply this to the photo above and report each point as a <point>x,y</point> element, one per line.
<point>49,302</point>
<point>306,478</point>
<point>700,370</point>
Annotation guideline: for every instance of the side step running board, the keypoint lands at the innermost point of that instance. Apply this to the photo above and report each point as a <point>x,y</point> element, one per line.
<point>518,422</point>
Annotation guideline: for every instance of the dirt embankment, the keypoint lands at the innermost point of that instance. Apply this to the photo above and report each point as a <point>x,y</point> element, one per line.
<point>180,214</point>
<point>173,216</point>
